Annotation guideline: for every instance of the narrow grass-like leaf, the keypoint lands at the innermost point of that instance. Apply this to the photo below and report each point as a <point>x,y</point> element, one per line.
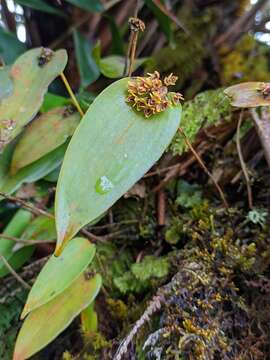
<point>41,6</point>
<point>44,135</point>
<point>31,74</point>
<point>52,101</point>
<point>46,322</point>
<point>111,149</point>
<point>92,5</point>
<point>14,228</point>
<point>59,272</point>
<point>41,228</point>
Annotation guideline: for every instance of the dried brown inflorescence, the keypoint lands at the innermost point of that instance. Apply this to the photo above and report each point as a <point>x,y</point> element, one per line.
<point>150,94</point>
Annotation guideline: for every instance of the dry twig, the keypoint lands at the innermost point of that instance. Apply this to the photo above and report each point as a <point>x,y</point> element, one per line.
<point>198,158</point>
<point>13,272</point>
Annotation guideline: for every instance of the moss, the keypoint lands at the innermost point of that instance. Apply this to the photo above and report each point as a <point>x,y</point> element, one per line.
<point>140,276</point>
<point>118,309</point>
<point>174,233</point>
<point>207,108</point>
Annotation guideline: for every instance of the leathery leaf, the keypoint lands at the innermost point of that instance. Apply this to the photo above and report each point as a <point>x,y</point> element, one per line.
<point>249,94</point>
<point>111,149</point>
<point>46,322</point>
<point>31,75</point>
<point>59,272</point>
<point>6,85</point>
<point>43,135</point>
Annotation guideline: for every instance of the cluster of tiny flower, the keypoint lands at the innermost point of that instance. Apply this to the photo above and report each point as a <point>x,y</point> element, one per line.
<point>150,94</point>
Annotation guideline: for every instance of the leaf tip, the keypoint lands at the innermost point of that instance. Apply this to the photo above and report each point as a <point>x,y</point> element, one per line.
<point>24,312</point>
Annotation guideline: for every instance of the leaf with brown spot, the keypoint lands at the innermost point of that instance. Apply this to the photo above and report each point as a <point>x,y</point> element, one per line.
<point>46,322</point>
<point>59,272</point>
<point>249,94</point>
<point>31,74</point>
<point>44,135</point>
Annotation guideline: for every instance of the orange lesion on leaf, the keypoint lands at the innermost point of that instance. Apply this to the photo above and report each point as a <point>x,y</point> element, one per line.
<point>150,94</point>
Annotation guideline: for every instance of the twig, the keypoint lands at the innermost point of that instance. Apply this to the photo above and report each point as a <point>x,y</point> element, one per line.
<point>161,207</point>
<point>37,211</point>
<point>33,209</point>
<point>25,241</point>
<point>170,15</point>
<point>13,272</point>
<point>242,161</point>
<point>71,94</point>
<point>204,167</point>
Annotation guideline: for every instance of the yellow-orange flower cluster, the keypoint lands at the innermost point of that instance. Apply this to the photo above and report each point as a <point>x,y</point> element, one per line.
<point>150,94</point>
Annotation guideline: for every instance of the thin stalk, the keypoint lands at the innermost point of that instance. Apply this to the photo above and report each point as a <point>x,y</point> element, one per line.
<point>71,94</point>
<point>13,272</point>
<point>26,205</point>
<point>200,161</point>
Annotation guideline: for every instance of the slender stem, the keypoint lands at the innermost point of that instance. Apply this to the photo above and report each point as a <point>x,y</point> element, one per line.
<point>200,161</point>
<point>242,161</point>
<point>71,94</point>
<point>132,52</point>
<point>13,272</point>
<point>26,205</point>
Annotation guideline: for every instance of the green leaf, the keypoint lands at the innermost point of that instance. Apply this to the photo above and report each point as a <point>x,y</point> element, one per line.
<point>41,228</point>
<point>30,173</point>
<point>44,135</point>
<point>93,5</point>
<point>151,266</point>
<point>17,260</point>
<point>10,46</point>
<point>54,277</point>
<point>53,176</point>
<point>46,322</point>
<point>52,101</point>
<point>112,148</point>
<point>31,77</point>
<point>88,68</point>
<point>140,275</point>
<point>14,228</point>
<point>6,84</point>
<point>89,319</point>
<point>42,6</point>
<point>248,94</point>
<point>113,66</point>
